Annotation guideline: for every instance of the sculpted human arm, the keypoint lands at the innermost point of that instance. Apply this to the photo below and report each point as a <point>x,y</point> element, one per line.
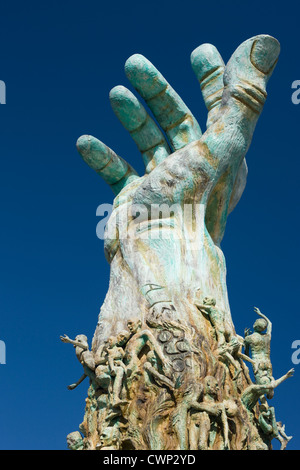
<point>101,354</point>
<point>279,381</point>
<point>210,408</point>
<point>269,324</point>
<point>66,339</point>
<point>73,386</point>
<point>205,309</point>
<point>247,342</point>
<point>110,360</point>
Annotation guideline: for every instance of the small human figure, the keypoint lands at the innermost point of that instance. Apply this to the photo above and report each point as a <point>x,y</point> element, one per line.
<point>102,370</point>
<point>139,339</point>
<point>151,367</point>
<point>211,410</point>
<point>227,353</point>
<point>228,343</point>
<point>75,441</point>
<point>270,427</point>
<point>197,433</point>
<point>115,355</point>
<point>185,400</point>
<point>109,439</point>
<point>258,345</point>
<point>254,392</point>
<point>134,325</point>
<point>215,315</point>
<point>102,355</point>
<point>162,311</point>
<point>122,338</point>
<point>84,356</point>
<point>281,430</point>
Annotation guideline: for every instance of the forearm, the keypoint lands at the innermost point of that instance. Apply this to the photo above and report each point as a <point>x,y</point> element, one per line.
<point>210,409</point>
<point>77,344</point>
<point>225,424</point>
<point>73,386</point>
<point>246,348</point>
<point>111,363</point>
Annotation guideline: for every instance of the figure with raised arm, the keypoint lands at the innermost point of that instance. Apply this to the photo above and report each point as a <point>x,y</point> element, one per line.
<point>140,337</point>
<point>258,346</point>
<point>84,356</point>
<point>270,427</point>
<point>254,392</point>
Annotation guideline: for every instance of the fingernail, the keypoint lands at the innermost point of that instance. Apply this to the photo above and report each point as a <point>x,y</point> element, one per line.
<point>83,144</point>
<point>264,53</point>
<point>205,59</point>
<point>93,151</point>
<point>144,76</point>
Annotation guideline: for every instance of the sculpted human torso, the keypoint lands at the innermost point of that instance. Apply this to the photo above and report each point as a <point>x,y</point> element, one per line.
<point>260,347</point>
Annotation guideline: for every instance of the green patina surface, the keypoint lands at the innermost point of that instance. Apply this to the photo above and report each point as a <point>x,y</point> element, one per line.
<point>177,379</point>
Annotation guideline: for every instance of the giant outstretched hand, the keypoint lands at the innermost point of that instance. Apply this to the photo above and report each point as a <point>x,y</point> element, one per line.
<point>174,375</point>
<point>183,167</point>
<point>213,163</point>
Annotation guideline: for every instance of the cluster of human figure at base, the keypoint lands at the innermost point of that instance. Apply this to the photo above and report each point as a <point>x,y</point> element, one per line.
<point>162,350</point>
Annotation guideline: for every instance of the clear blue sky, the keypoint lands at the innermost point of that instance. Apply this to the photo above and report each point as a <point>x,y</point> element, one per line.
<point>59,61</point>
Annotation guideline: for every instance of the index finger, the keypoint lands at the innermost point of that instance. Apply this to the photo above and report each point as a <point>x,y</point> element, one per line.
<point>171,112</point>
<point>209,67</point>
